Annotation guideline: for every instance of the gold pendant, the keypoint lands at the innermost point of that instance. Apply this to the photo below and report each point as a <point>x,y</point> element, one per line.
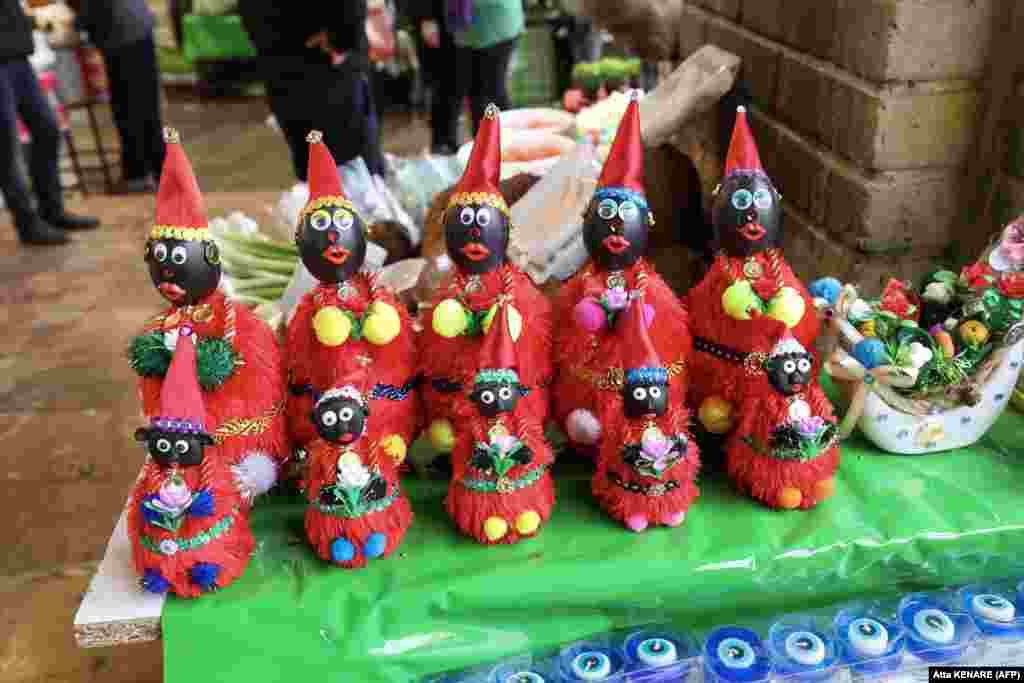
<point>616,279</point>
<point>504,485</point>
<point>752,268</point>
<point>473,284</point>
<point>202,314</point>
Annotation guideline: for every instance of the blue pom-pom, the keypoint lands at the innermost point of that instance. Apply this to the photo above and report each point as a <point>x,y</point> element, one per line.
<point>826,288</point>
<point>149,514</point>
<point>202,505</point>
<point>375,545</point>
<point>204,575</point>
<point>342,550</point>
<point>871,353</point>
<point>154,582</point>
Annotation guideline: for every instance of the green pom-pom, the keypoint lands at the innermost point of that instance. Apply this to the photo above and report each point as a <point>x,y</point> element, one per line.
<point>148,355</point>
<point>215,361</point>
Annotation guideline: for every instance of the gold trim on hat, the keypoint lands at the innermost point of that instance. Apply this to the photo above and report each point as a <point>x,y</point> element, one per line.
<point>315,137</point>
<point>492,111</point>
<point>486,198</point>
<point>171,136</point>
<point>329,200</point>
<point>171,232</point>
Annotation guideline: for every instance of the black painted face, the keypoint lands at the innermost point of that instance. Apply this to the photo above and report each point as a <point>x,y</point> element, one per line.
<point>173,448</point>
<point>495,398</point>
<point>790,373</point>
<point>332,243</point>
<point>340,420</point>
<point>747,214</point>
<point>185,272</point>
<point>644,399</point>
<point>476,236</point>
<point>615,231</point>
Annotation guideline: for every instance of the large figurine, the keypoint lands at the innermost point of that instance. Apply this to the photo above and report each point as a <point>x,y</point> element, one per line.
<point>749,278</point>
<point>239,368</point>
<point>347,323</point>
<point>591,303</point>
<point>501,490</point>
<point>785,448</point>
<point>356,511</point>
<point>477,234</point>
<point>189,528</point>
<point>648,463</point>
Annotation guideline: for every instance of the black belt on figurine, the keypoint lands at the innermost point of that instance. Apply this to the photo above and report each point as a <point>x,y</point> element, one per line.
<point>753,361</point>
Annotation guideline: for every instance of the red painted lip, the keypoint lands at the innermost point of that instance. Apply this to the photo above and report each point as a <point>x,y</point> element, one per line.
<point>753,231</point>
<point>336,255</point>
<point>475,251</point>
<point>171,291</point>
<point>348,438</point>
<point>798,387</point>
<point>615,243</point>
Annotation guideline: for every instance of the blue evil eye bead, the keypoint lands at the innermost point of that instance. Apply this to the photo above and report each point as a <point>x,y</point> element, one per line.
<point>934,633</point>
<point>735,655</point>
<point>806,648</point>
<point>658,655</point>
<point>993,607</point>
<point>868,637</point>
<point>802,650</point>
<point>867,641</point>
<point>524,677</point>
<point>592,666</point>
<point>995,611</point>
<point>524,669</point>
<point>935,626</point>
<point>657,652</point>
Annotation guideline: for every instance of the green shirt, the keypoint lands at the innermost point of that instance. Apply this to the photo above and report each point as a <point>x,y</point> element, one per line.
<point>494,21</point>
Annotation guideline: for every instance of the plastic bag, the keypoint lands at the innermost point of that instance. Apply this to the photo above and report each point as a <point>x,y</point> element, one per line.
<point>373,200</point>
<point>413,183</point>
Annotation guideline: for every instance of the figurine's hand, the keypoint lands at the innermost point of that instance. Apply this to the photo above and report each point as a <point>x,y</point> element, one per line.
<point>202,505</point>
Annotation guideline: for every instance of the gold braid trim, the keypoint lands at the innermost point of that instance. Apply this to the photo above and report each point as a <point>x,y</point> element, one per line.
<point>615,378</point>
<point>247,426</point>
<point>486,198</point>
<point>321,202</point>
<point>170,232</point>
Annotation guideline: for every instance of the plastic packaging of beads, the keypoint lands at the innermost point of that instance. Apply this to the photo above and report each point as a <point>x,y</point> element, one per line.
<point>803,649</point>
<point>591,660</point>
<point>869,639</point>
<point>659,654</point>
<point>939,631</point>
<point>998,613</point>
<point>735,654</point>
<point>525,669</point>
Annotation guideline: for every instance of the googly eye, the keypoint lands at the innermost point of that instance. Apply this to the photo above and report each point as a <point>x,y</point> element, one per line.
<point>487,397</point>
<point>654,392</point>
<point>789,367</point>
<point>346,414</point>
<point>163,445</point>
<point>592,666</point>
<point>657,652</point>
<point>160,252</point>
<point>763,199</point>
<point>329,418</point>
<point>523,677</point>
<point>993,608</point>
<point>628,211</point>
<point>806,648</point>
<point>212,254</point>
<point>742,199</point>
<point>607,209</point>
<point>868,637</point>
<point>483,217</point>
<point>640,393</point>
<point>736,654</point>
<point>181,446</point>
<point>803,365</point>
<point>179,255</point>
<point>935,626</point>
<point>320,220</point>
<point>343,220</point>
<point>505,393</point>
<point>467,216</point>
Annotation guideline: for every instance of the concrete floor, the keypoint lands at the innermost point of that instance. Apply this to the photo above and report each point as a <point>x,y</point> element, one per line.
<point>67,397</point>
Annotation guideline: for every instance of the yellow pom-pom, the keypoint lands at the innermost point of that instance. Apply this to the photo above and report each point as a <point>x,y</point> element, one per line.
<point>450,318</point>
<point>442,436</point>
<point>394,446</point>
<point>716,415</point>
<point>495,528</point>
<point>787,306</point>
<point>382,323</point>
<point>527,522</point>
<point>739,299</point>
<point>515,321</point>
<point>332,327</point>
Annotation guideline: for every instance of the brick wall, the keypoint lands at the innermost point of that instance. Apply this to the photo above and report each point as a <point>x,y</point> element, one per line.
<point>1008,200</point>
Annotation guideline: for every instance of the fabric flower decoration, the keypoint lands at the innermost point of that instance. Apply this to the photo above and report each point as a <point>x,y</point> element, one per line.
<point>809,427</point>
<point>860,311</point>
<point>1011,246</point>
<point>202,504</point>
<point>978,276</point>
<point>657,447</point>
<point>174,497</point>
<point>939,292</point>
<point>899,300</point>
<point>1012,285</point>
<point>169,547</point>
<point>351,472</point>
<point>616,299</point>
<point>656,453</point>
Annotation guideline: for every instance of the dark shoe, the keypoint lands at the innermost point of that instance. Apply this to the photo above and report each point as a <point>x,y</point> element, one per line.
<point>41,233</point>
<point>69,221</point>
<point>136,186</point>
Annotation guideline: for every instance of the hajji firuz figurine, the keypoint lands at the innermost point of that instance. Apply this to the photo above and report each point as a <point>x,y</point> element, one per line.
<point>347,323</point>
<point>187,521</point>
<point>477,226</point>
<point>591,304</point>
<point>748,279</point>
<point>648,463</point>
<point>239,368</point>
<point>356,510</point>
<point>501,490</point>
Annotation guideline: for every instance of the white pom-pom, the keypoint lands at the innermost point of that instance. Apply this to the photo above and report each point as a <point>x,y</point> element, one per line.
<point>582,427</point>
<point>255,474</point>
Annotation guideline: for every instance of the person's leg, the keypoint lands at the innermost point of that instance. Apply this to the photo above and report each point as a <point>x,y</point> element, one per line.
<point>38,117</point>
<point>150,93</point>
<point>127,106</point>
<point>490,78</point>
<point>450,88</point>
<point>286,97</point>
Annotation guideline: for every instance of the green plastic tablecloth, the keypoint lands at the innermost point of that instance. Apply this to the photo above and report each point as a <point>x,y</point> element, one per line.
<point>443,602</point>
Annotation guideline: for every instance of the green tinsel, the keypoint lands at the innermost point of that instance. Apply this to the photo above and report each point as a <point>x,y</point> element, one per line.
<point>148,356</point>
<point>215,359</point>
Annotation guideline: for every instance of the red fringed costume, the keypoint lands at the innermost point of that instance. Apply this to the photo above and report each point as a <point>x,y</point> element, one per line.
<point>501,489</point>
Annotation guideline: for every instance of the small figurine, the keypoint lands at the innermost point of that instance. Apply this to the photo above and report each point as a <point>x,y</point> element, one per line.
<point>356,510</point>
<point>648,463</point>
<point>187,521</point>
<point>239,368</point>
<point>593,301</point>
<point>785,448</point>
<point>347,322</point>
<point>477,233</point>
<point>748,279</point>
<point>501,490</point>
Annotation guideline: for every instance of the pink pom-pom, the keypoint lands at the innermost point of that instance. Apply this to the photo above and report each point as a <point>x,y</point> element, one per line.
<point>590,316</point>
<point>636,523</point>
<point>582,427</point>
<point>255,474</point>
<point>648,315</point>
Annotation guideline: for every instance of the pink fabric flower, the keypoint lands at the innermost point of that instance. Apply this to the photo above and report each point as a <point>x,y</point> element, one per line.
<point>658,448</point>
<point>809,427</point>
<point>175,496</point>
<point>616,298</point>
<point>505,443</point>
<point>1011,245</point>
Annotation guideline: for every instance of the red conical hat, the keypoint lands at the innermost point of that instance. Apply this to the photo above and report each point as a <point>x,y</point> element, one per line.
<point>322,175</point>
<point>480,184</point>
<point>637,351</point>
<point>498,351</point>
<point>742,150</point>
<point>181,401</point>
<point>180,213</point>
<point>624,166</point>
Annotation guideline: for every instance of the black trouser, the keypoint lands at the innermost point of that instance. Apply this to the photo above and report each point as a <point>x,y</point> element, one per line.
<point>135,100</point>
<point>336,101</point>
<point>482,75</point>
<point>438,64</point>
<point>20,95</point>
